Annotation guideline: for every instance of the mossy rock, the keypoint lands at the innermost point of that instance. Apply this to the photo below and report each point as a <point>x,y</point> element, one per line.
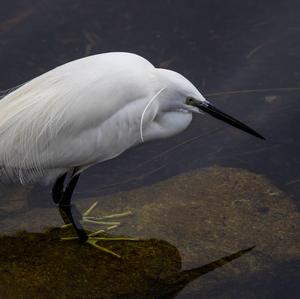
<point>206,214</point>
<point>41,265</point>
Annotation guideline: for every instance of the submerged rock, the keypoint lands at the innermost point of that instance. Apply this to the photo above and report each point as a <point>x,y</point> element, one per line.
<point>206,214</point>
<point>40,265</point>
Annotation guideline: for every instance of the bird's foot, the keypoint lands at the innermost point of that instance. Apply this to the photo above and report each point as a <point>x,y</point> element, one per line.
<point>107,224</point>
<point>94,240</point>
<point>104,221</point>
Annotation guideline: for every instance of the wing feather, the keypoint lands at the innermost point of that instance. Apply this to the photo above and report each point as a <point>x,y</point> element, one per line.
<point>64,102</point>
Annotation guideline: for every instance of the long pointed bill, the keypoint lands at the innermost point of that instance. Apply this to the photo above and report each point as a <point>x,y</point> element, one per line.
<point>213,111</point>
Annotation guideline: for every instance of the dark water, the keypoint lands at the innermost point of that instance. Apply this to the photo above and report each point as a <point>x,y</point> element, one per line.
<point>243,55</point>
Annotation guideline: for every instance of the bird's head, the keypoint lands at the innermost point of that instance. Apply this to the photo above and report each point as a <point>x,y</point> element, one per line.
<point>180,99</point>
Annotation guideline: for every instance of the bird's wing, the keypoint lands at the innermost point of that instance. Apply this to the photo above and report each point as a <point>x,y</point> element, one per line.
<point>64,101</point>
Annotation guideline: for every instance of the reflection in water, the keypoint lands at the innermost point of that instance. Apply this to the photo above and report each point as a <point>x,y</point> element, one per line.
<point>45,267</point>
<point>206,214</point>
<point>184,277</point>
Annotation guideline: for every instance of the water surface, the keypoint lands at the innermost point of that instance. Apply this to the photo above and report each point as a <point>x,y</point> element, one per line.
<point>244,57</point>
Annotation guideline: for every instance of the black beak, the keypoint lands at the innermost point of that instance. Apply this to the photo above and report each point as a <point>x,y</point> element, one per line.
<point>207,107</point>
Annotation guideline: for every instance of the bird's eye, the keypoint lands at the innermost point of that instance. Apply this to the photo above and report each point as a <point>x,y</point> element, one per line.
<point>189,101</point>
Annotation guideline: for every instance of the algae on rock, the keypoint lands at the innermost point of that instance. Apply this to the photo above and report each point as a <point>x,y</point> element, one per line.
<point>206,214</point>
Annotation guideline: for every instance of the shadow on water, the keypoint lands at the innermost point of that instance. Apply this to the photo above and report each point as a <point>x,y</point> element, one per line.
<point>206,214</point>
<point>40,265</point>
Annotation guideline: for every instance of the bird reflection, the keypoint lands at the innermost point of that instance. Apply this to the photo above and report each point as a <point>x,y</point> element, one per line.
<point>148,268</point>
<point>185,277</point>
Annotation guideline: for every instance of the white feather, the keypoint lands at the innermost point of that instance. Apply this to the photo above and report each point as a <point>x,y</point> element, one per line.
<point>45,124</point>
<point>83,112</point>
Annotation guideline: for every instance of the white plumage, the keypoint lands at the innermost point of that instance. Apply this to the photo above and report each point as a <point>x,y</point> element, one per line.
<point>91,110</point>
<point>88,111</point>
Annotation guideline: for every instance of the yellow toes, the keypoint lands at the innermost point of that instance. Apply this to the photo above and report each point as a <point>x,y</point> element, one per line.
<point>93,242</point>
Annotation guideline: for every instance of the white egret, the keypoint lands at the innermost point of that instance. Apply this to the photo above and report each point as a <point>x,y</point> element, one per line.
<point>91,110</point>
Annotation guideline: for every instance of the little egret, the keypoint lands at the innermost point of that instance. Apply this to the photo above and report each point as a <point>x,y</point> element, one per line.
<point>88,111</point>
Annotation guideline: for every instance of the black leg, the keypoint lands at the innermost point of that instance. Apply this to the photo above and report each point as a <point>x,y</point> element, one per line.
<point>67,210</point>
<point>58,188</point>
